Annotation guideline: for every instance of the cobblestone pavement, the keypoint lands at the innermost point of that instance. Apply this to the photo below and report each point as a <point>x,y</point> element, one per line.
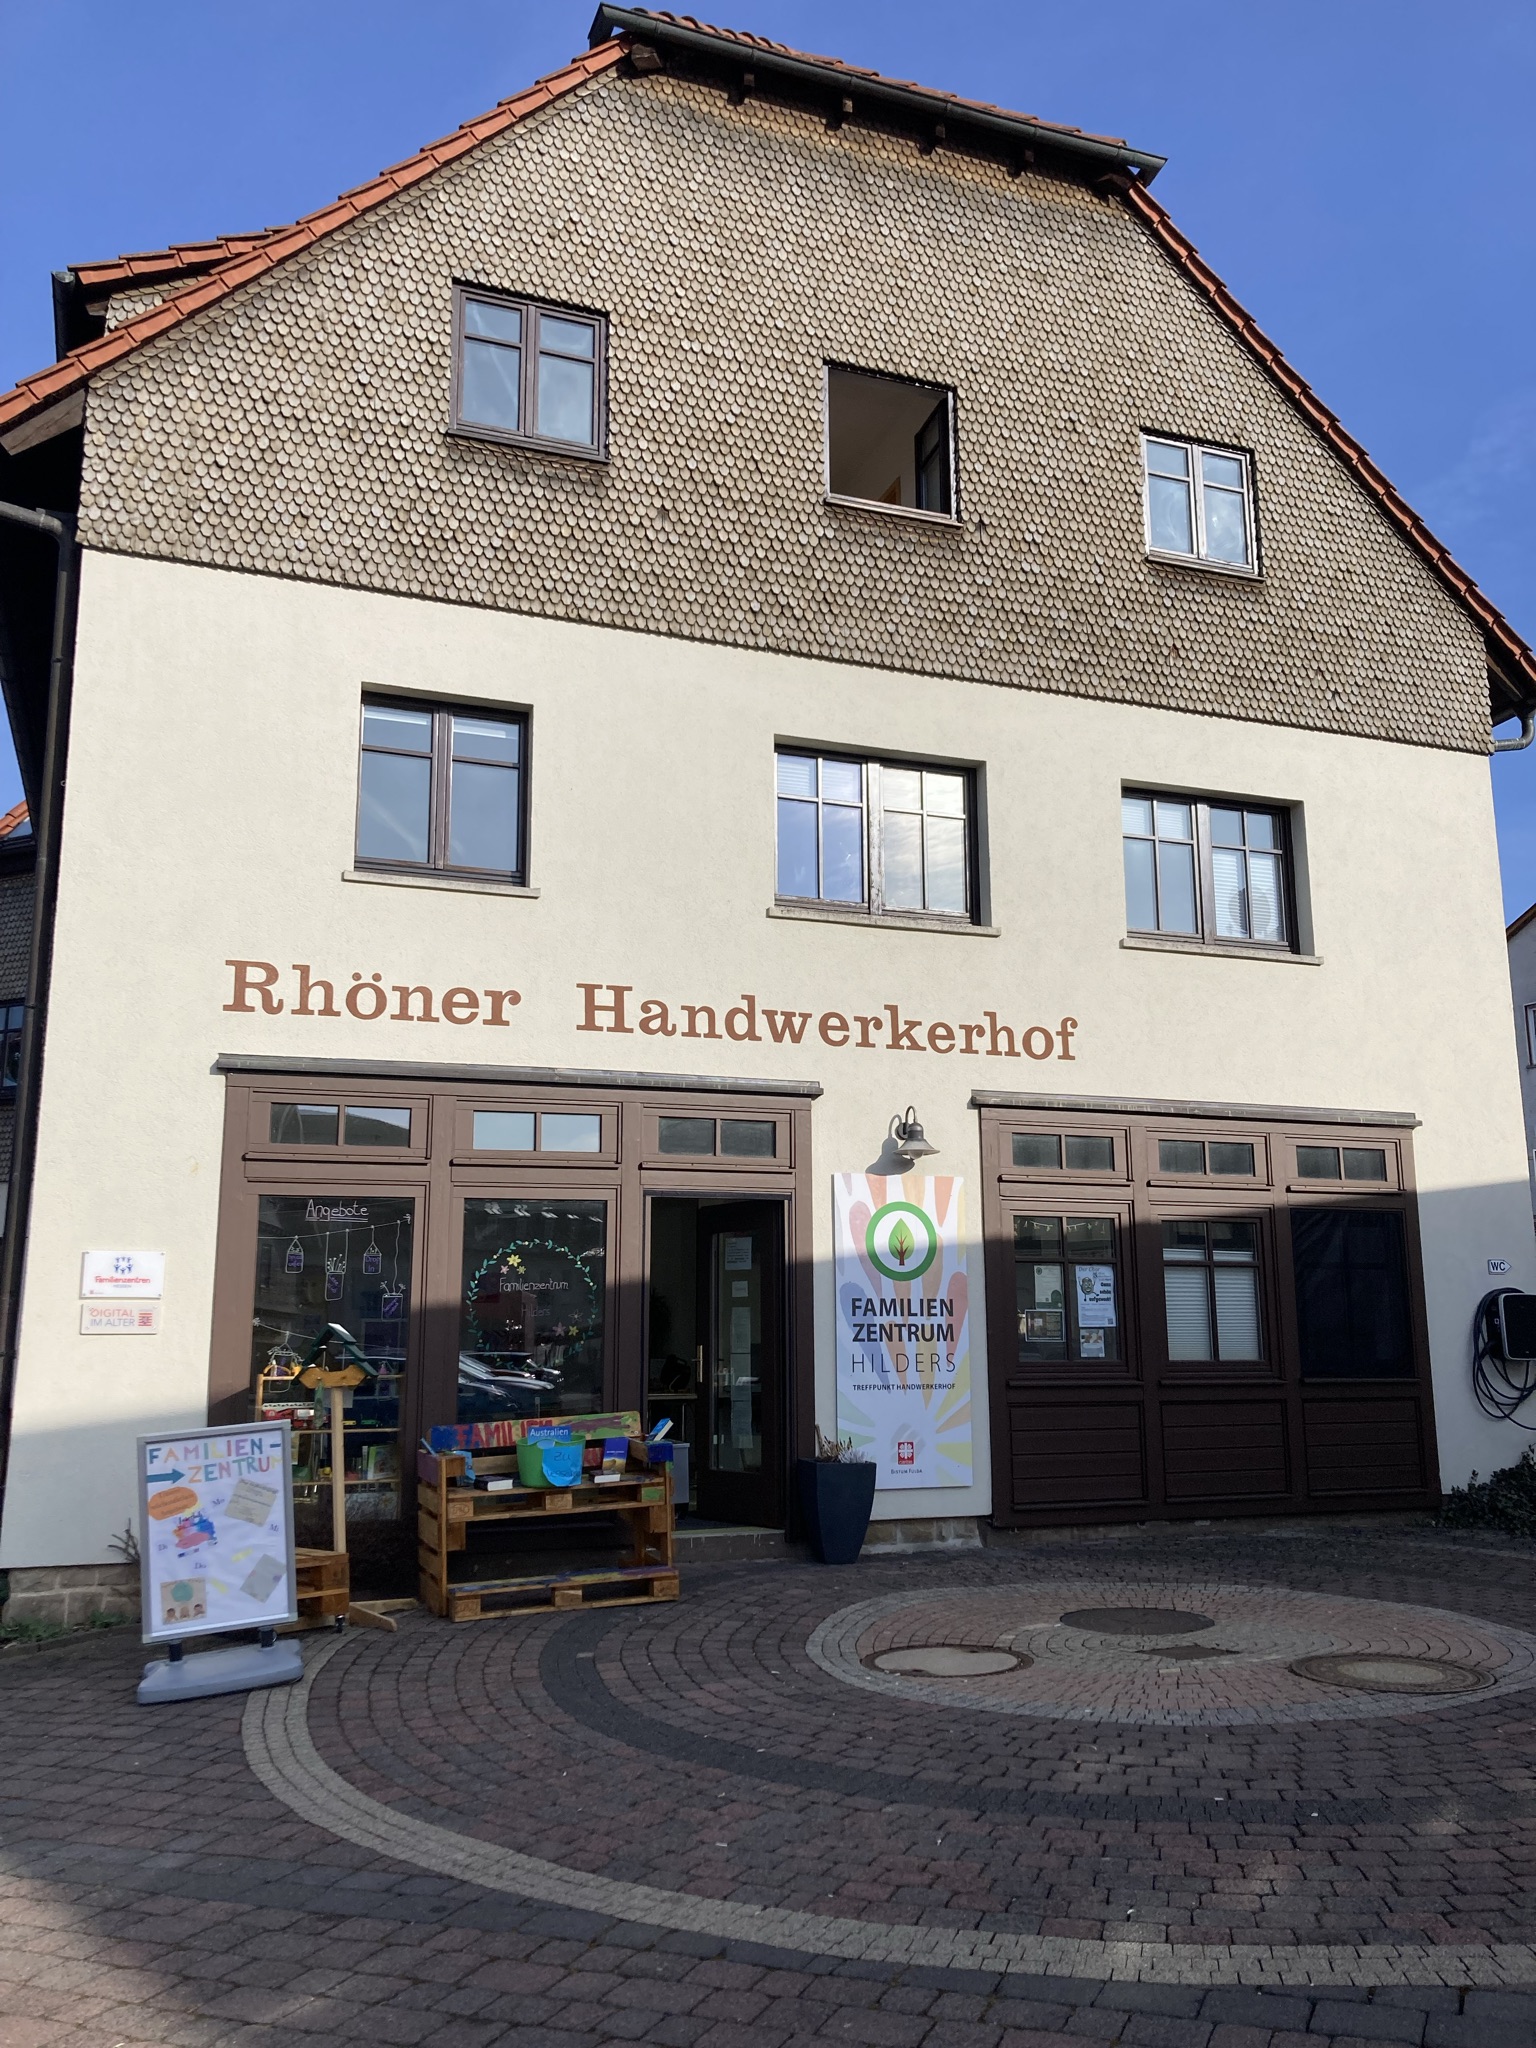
<point>678,1825</point>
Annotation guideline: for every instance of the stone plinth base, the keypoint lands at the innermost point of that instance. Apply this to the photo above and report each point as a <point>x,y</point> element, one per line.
<point>932,1532</point>
<point>67,1595</point>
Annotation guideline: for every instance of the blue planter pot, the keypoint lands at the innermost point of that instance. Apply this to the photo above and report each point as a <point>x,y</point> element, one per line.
<point>837,1500</point>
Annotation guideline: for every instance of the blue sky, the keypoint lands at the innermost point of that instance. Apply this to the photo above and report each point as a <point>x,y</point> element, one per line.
<point>1356,171</point>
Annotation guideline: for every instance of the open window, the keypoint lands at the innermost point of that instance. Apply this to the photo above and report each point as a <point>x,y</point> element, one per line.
<point>890,441</point>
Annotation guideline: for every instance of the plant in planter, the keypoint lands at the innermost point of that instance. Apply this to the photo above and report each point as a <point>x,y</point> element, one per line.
<point>837,1492</point>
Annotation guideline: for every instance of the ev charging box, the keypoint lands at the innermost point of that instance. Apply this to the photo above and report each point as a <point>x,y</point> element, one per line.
<point>1517,1327</point>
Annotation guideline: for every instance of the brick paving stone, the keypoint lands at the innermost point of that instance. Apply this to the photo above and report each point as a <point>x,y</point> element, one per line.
<point>707,1723</point>
<point>1397,2024</point>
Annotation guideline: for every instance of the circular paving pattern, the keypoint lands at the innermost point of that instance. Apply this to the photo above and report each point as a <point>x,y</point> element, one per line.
<point>1246,1653</point>
<point>732,1767</point>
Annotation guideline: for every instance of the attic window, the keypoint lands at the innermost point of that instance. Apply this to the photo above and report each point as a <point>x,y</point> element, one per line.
<point>890,442</point>
<point>529,373</point>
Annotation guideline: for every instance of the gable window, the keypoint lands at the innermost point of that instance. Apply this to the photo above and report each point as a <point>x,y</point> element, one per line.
<point>1209,871</point>
<point>1199,503</point>
<point>880,835</point>
<point>442,787</point>
<point>890,441</point>
<point>529,373</point>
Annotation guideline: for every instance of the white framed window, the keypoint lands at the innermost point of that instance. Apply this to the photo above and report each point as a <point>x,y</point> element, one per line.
<point>1198,502</point>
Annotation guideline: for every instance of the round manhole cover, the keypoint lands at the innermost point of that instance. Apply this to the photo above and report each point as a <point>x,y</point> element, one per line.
<point>1136,1621</point>
<point>949,1660</point>
<point>1382,1671</point>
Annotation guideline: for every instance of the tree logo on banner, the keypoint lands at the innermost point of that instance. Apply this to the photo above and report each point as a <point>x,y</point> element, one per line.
<point>901,1240</point>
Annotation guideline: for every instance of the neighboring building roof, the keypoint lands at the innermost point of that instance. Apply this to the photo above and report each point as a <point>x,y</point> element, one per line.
<point>150,266</point>
<point>16,823</point>
<point>1520,923</point>
<point>1123,171</point>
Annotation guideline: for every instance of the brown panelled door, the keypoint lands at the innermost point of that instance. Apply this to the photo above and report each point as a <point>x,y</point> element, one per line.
<point>1201,1315</point>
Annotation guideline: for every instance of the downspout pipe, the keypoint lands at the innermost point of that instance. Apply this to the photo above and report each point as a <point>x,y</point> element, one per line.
<point>46,830</point>
<point>1526,734</point>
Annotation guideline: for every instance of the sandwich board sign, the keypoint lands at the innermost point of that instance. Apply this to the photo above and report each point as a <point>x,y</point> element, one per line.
<point>216,1553</point>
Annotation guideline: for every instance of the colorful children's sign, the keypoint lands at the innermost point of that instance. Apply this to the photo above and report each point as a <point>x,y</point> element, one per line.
<point>216,1531</point>
<point>903,1327</point>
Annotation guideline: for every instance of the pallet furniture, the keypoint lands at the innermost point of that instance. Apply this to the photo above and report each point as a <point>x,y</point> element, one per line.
<point>324,1582</point>
<point>447,1509</point>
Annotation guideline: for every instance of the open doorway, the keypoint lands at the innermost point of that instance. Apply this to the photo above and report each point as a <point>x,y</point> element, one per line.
<point>716,1359</point>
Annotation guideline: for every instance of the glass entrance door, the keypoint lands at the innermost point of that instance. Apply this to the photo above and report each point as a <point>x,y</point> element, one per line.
<point>739,1363</point>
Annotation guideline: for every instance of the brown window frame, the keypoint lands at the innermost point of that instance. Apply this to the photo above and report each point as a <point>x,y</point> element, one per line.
<point>532,310</point>
<point>441,760</point>
<point>1205,935</point>
<point>1149,1437</point>
<point>872,903</point>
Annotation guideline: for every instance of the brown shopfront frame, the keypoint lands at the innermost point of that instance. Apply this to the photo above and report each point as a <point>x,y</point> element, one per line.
<point>440,1170</point>
<point>1145,1436</point>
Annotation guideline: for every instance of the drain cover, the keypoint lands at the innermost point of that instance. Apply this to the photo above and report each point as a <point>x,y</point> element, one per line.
<point>1382,1671</point>
<point>949,1660</point>
<point>1187,1653</point>
<point>1136,1621</point>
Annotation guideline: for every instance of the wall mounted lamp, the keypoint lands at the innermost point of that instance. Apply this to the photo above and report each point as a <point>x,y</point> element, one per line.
<point>907,1134</point>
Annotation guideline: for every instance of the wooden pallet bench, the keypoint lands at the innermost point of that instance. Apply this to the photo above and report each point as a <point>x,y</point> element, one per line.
<point>624,1586</point>
<point>447,1510</point>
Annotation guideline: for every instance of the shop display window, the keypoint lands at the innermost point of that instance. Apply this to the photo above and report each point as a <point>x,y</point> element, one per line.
<point>532,1311</point>
<point>1352,1313</point>
<point>326,1260</point>
<point>1211,1291</point>
<point>1066,1288</point>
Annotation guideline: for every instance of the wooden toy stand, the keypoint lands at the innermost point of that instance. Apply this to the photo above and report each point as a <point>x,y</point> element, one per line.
<point>446,1510</point>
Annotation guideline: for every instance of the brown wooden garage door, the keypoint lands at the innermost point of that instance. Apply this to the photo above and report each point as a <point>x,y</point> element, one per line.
<point>1201,1312</point>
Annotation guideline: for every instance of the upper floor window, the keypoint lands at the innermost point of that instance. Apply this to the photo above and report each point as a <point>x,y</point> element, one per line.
<point>1209,871</point>
<point>880,835</point>
<point>442,787</point>
<point>11,1015</point>
<point>1199,503</point>
<point>529,373</point>
<point>890,441</point>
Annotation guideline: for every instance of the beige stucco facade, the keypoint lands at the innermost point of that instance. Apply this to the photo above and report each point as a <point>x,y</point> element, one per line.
<point>211,816</point>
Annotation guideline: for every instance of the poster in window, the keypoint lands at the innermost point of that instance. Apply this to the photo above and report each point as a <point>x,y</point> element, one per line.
<point>1095,1297</point>
<point>1090,1343</point>
<point>903,1326</point>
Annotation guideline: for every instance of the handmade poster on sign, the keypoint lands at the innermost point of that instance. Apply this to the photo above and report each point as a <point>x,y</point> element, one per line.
<point>216,1531</point>
<point>903,1326</point>
<point>1095,1300</point>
